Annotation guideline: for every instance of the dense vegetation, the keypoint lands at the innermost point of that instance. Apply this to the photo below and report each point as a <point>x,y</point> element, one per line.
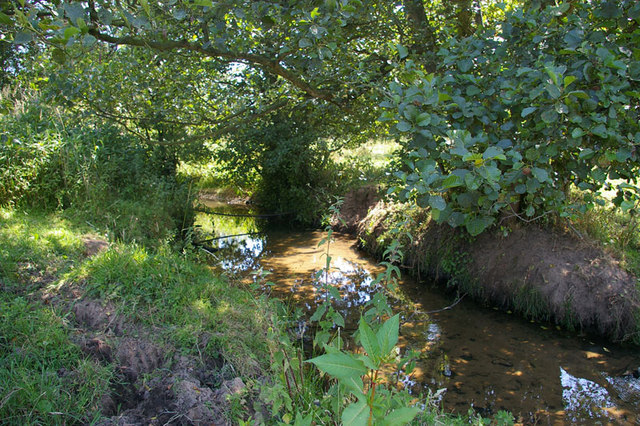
<point>523,111</point>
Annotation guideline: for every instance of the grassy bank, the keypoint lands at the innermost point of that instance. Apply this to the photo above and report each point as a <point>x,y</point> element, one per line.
<point>170,301</point>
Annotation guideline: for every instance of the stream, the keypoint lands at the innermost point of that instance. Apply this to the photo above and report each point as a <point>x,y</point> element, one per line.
<point>481,359</point>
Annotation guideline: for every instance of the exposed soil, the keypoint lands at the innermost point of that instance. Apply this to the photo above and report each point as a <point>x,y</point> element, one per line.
<point>154,384</point>
<point>541,273</point>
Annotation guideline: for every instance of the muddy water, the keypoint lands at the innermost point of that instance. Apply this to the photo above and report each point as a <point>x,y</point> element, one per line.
<point>485,359</point>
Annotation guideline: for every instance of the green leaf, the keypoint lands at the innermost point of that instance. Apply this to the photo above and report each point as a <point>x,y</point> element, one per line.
<point>145,7</point>
<point>540,174</point>
<point>585,153</point>
<point>5,19</point>
<point>568,80</point>
<point>401,416</point>
<point>70,32</point>
<point>403,126</point>
<point>549,116</point>
<point>577,133</point>
<point>403,52</point>
<point>356,414</point>
<point>369,340</point>
<point>493,152</point>
<point>600,130</point>
<point>317,315</point>
<point>477,225</point>
<point>356,386</point>
<point>527,111</point>
<point>423,119</point>
<point>304,42</point>
<point>437,202</point>
<point>339,365</point>
<point>388,334</point>
<point>451,181</point>
<point>465,65</point>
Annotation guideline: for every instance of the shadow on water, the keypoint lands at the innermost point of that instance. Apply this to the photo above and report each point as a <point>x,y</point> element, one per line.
<point>485,359</point>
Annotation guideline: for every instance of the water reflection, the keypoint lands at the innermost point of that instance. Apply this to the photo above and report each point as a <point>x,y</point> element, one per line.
<point>583,398</point>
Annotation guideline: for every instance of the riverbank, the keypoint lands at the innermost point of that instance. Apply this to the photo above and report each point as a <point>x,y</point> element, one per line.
<point>542,274</point>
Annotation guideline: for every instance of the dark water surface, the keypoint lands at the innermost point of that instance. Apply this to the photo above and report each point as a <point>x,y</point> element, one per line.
<point>484,358</point>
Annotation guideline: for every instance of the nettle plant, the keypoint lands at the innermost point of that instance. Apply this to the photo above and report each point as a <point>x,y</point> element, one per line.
<point>512,120</point>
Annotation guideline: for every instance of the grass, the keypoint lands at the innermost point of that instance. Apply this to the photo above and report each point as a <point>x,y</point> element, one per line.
<point>44,377</point>
<point>614,229</point>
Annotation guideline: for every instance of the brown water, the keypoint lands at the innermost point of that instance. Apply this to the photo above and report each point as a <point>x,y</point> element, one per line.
<point>485,359</point>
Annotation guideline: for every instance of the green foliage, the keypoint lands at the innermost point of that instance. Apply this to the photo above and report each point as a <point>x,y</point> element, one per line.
<point>44,377</point>
<point>120,185</point>
<point>512,119</point>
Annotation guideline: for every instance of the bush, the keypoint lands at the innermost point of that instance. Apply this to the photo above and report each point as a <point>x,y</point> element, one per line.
<point>119,183</point>
<point>512,120</point>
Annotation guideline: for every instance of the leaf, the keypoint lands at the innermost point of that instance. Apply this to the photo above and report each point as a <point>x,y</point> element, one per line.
<point>403,126</point>
<point>423,119</point>
<point>356,414</point>
<point>5,20</point>
<point>465,65</point>
<point>401,416</point>
<point>304,42</point>
<point>317,315</point>
<point>493,152</point>
<point>403,52</point>
<point>477,225</point>
<point>585,153</point>
<point>388,334</point>
<point>568,80</point>
<point>600,130</point>
<point>549,116</point>
<point>70,32</point>
<point>540,174</point>
<point>369,340</point>
<point>339,365</point>
<point>451,181</point>
<point>577,133</point>
<point>437,202</point>
<point>356,386</point>
<point>527,111</point>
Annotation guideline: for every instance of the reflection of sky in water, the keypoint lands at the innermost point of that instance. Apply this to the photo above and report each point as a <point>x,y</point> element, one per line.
<point>245,251</point>
<point>583,397</point>
<point>627,389</point>
<point>353,281</point>
<point>433,333</point>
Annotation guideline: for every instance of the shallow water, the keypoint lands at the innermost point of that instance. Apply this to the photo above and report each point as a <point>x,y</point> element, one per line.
<point>486,359</point>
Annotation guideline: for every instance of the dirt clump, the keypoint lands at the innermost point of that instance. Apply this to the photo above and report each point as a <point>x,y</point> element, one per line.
<point>543,274</point>
<point>97,316</point>
<point>94,245</point>
<point>137,356</point>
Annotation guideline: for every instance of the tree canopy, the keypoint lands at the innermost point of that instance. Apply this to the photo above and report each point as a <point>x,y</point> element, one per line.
<point>502,108</point>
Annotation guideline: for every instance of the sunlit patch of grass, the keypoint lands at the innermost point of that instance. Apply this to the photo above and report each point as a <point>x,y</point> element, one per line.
<point>616,230</point>
<point>368,162</point>
<point>33,244</point>
<point>44,378</point>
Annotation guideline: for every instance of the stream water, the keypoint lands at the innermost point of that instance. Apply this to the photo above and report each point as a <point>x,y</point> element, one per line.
<point>484,359</point>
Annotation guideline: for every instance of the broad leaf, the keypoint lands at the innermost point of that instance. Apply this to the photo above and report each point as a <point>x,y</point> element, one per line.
<point>369,340</point>
<point>340,365</point>
<point>401,416</point>
<point>388,334</point>
<point>356,414</point>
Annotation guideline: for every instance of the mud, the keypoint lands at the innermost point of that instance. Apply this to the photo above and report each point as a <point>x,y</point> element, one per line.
<point>543,274</point>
